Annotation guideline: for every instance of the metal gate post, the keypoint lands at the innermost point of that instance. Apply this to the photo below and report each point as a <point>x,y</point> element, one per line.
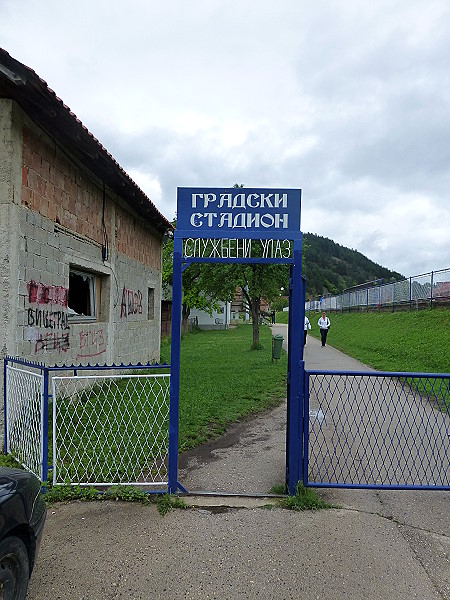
<point>5,402</point>
<point>295,400</point>
<point>44,426</point>
<point>305,426</point>
<point>288,387</point>
<point>175,364</point>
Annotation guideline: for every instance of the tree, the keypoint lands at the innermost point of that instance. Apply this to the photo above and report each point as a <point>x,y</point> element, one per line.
<point>204,285</point>
<point>259,281</point>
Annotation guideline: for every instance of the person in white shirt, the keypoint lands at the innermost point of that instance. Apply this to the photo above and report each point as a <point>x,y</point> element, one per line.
<point>307,326</point>
<point>324,325</point>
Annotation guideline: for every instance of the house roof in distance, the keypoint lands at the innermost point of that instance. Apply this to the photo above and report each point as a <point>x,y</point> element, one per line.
<point>22,84</point>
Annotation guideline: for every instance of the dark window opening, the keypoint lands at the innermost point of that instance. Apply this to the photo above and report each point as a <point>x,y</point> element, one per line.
<point>82,296</point>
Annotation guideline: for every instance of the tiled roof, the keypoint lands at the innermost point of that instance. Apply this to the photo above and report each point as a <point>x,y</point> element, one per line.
<point>22,84</point>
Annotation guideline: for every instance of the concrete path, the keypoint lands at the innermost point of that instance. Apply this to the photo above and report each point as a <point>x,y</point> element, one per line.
<point>377,545</point>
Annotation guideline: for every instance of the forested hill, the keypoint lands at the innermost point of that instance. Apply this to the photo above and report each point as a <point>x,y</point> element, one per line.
<point>331,268</point>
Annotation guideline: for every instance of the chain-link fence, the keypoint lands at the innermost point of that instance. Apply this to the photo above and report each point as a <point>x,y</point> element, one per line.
<point>24,417</point>
<point>427,289</point>
<point>110,429</point>
<point>89,425</point>
<point>378,429</point>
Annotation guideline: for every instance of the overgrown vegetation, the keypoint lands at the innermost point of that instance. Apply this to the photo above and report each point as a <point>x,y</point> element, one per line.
<point>7,460</point>
<point>123,493</point>
<point>66,493</point>
<point>223,380</point>
<point>304,499</point>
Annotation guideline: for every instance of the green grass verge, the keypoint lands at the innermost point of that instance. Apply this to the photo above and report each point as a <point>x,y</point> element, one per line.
<point>222,380</point>
<point>7,460</point>
<point>282,317</point>
<point>407,341</point>
<point>413,341</point>
<point>123,493</point>
<point>67,493</point>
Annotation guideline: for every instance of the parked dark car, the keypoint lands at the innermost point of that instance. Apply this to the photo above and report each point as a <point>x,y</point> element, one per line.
<point>22,517</point>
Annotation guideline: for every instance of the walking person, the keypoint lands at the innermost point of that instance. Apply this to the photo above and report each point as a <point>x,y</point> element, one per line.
<point>307,326</point>
<point>324,325</point>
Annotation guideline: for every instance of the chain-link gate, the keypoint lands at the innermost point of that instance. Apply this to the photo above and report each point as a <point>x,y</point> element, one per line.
<point>89,425</point>
<point>111,429</point>
<point>377,430</point>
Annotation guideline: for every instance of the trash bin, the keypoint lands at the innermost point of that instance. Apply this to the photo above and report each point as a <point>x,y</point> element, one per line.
<point>277,344</point>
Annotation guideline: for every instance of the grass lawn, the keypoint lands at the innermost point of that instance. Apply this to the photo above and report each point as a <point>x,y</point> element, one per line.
<point>407,341</point>
<point>223,380</point>
<point>413,341</point>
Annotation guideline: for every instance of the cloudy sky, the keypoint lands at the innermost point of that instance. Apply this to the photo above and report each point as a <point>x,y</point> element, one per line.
<point>347,99</point>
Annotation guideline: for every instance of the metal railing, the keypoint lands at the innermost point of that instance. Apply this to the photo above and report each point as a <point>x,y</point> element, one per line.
<point>426,289</point>
<point>89,424</point>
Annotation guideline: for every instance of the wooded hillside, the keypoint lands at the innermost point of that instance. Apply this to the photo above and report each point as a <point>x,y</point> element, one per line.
<point>331,268</point>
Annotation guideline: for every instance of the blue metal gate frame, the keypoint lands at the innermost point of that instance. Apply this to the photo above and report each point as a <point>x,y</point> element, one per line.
<point>238,220</point>
<point>47,371</point>
<point>419,438</point>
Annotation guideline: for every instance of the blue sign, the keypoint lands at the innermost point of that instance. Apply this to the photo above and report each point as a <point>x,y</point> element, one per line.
<point>238,213</point>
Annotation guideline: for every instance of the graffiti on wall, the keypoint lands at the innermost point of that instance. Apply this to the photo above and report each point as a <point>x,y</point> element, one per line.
<point>52,342</point>
<point>49,312</point>
<point>39,293</point>
<point>131,303</point>
<point>47,319</point>
<point>92,343</point>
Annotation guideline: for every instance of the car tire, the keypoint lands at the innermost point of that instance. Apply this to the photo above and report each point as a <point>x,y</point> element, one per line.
<point>14,569</point>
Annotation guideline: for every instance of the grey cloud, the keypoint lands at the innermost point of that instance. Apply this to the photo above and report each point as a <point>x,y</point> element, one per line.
<point>348,100</point>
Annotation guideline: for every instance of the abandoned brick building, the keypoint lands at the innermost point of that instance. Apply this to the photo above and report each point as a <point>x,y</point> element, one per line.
<point>81,244</point>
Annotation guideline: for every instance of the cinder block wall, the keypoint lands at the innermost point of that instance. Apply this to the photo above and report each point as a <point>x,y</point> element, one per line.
<point>52,212</point>
<point>10,190</point>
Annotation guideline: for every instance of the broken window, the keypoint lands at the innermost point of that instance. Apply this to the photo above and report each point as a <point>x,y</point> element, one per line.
<point>82,295</point>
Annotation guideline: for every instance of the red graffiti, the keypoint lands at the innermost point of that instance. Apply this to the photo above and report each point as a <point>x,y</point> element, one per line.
<point>131,303</point>
<point>39,293</point>
<point>92,343</point>
<point>51,342</point>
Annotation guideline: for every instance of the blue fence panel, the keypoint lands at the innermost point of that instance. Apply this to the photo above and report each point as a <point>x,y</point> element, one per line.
<point>378,430</point>
<point>125,421</point>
